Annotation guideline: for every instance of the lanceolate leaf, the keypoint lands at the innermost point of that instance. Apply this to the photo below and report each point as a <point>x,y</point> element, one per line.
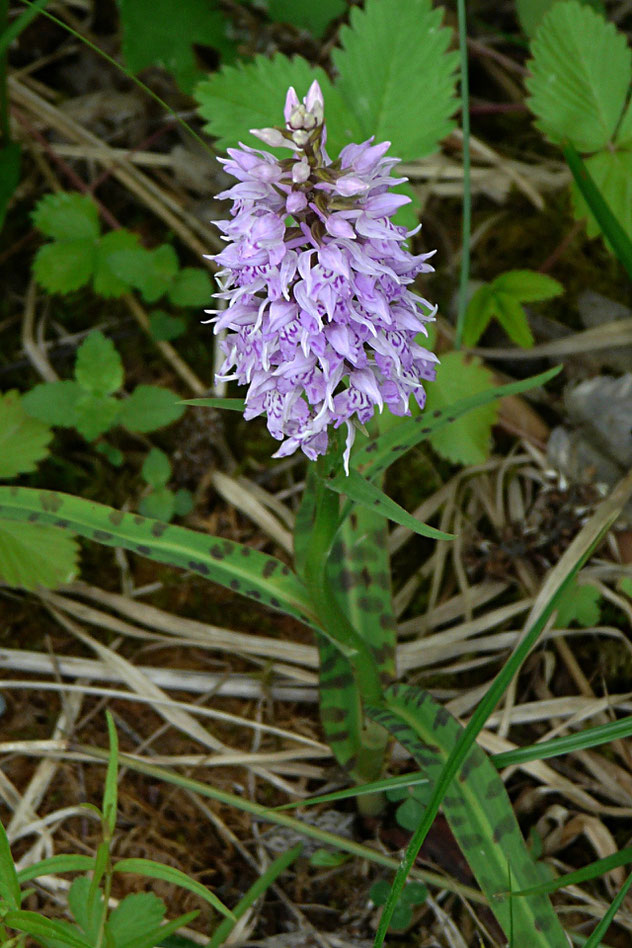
<point>378,455</point>
<point>480,816</point>
<point>363,492</point>
<point>238,567</point>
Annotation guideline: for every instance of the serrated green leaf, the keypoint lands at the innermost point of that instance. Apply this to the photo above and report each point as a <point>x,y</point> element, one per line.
<point>53,402</point>
<point>95,414</point>
<point>32,555</point>
<point>150,407</point>
<point>252,95</point>
<point>64,267</point>
<point>134,916</point>
<point>10,156</point>
<point>467,439</point>
<point>191,287</point>
<point>396,74</point>
<point>106,281</point>
<point>162,266</point>
<point>512,317</point>
<point>530,12</point>
<point>163,327</point>
<point>612,173</point>
<point>183,502</point>
<point>98,368</point>
<point>160,504</point>
<point>478,315</point>
<point>87,914</point>
<point>152,36</point>
<point>23,440</point>
<point>156,469</point>
<point>130,265</point>
<point>67,216</point>
<point>579,604</point>
<point>527,286</point>
<point>571,93</point>
<point>312,15</point>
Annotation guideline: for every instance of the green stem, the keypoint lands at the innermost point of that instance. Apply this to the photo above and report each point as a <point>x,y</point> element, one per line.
<point>467,198</point>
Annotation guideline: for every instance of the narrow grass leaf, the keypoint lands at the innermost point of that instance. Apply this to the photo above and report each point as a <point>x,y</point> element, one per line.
<point>568,744</point>
<point>603,926</point>
<point>156,870</point>
<point>593,871</point>
<point>67,862</point>
<point>111,776</point>
<point>255,892</point>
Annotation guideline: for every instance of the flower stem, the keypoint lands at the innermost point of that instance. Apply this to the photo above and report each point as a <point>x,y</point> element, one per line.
<point>467,197</point>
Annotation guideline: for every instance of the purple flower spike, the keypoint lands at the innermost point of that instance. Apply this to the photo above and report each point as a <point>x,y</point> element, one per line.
<point>322,321</point>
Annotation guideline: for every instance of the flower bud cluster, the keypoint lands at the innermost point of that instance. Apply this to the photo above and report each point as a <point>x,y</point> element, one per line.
<point>322,323</point>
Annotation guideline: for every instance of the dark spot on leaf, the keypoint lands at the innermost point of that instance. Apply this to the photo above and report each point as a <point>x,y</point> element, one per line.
<point>370,603</point>
<point>285,571</point>
<point>245,551</point>
<point>441,718</point>
<point>49,501</point>
<point>138,520</point>
<point>347,579</point>
<point>235,584</point>
<point>216,552</point>
<point>62,524</point>
<point>353,520</point>
<point>451,419</point>
<point>254,593</point>
<point>503,827</point>
<point>387,622</point>
<point>102,536</point>
<point>426,430</point>
<point>470,764</point>
<point>158,529</point>
<point>269,568</point>
<point>143,549</point>
<point>115,517</point>
<point>436,413</point>
<point>33,517</point>
<point>274,602</point>
<point>370,448</point>
<point>198,566</point>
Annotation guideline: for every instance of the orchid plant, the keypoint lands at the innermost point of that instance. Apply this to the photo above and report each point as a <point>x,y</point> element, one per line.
<point>324,327</point>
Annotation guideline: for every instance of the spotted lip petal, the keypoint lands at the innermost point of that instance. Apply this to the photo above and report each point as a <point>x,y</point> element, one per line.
<point>321,322</point>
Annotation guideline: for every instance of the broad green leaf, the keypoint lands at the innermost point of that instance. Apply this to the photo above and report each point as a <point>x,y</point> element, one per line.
<point>573,94</point>
<point>377,456</point>
<point>312,15</point>
<point>156,936</point>
<point>33,555</point>
<point>477,315</point>
<point>23,440</point>
<point>156,870</point>
<point>160,504</point>
<point>466,440</point>
<point>10,156</point>
<point>106,281</point>
<point>46,928</point>
<point>53,402</point>
<point>479,813</point>
<point>612,173</point>
<point>137,913</point>
<point>64,267</point>
<point>67,216</point>
<point>395,73</point>
<point>234,565</point>
<point>579,604</point>
<point>512,317</point>
<point>191,287</point>
<point>156,469</point>
<point>155,33</point>
<point>129,265</point>
<point>98,368</point>
<point>528,286</point>
<point>364,492</point>
<point>9,884</point>
<point>149,407</point>
<point>165,328</point>
<point>86,913</point>
<point>530,12</point>
<point>95,414</point>
<point>162,266</point>
<point>252,95</point>
<point>183,502</point>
